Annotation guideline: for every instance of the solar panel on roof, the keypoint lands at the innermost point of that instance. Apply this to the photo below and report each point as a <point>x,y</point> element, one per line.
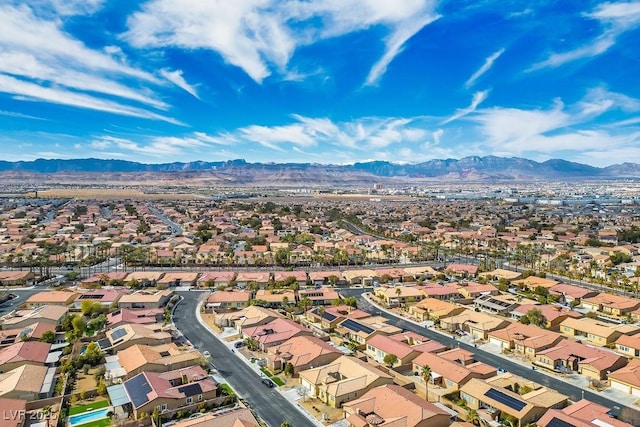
<point>557,422</point>
<point>118,333</point>
<point>356,327</point>
<point>104,343</point>
<point>138,389</point>
<point>505,399</point>
<point>190,389</point>
<point>330,317</point>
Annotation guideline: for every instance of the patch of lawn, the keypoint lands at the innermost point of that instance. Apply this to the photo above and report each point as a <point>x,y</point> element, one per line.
<point>88,407</point>
<point>266,372</point>
<point>226,389</point>
<point>277,381</point>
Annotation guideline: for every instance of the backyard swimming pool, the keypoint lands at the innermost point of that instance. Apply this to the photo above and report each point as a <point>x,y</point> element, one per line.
<point>89,416</point>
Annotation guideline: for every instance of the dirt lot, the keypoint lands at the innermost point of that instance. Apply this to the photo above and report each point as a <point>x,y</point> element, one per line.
<point>316,408</point>
<point>109,194</point>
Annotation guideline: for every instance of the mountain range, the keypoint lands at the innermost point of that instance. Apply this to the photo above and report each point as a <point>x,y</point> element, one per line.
<point>240,172</point>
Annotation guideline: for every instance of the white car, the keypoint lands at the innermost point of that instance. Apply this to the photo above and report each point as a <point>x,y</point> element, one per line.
<point>206,353</point>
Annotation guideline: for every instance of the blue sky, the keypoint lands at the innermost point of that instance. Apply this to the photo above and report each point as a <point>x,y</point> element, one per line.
<point>322,81</point>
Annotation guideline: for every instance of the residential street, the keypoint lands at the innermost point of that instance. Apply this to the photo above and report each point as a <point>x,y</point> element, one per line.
<point>270,405</point>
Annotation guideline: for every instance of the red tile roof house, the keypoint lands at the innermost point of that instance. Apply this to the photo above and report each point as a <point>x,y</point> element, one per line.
<point>527,340</point>
<point>379,346</point>
<point>583,413</point>
<point>325,278</point>
<point>569,293</point>
<point>106,297</point>
<point>299,276</point>
<point>14,411</point>
<point>444,293</point>
<point>462,270</point>
<point>182,389</point>
<point>627,379</point>
<point>141,316</point>
<point>554,314</point>
<point>614,305</point>
<point>244,278</point>
<point>332,316</point>
<point>275,333</point>
<point>24,353</point>
<point>34,331</point>
<point>322,296</point>
<point>450,374</point>
<point>302,352</point>
<point>568,356</point>
<point>391,405</point>
<point>228,300</point>
<point>216,279</point>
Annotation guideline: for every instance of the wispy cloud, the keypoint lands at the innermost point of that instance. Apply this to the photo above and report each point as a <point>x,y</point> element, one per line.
<point>477,99</point>
<point>615,18</point>
<point>260,36</point>
<point>40,61</point>
<point>488,63</point>
<point>177,79</point>
<point>19,115</point>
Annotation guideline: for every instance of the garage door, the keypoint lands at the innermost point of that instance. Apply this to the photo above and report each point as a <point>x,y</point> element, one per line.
<point>618,386</point>
<point>497,342</point>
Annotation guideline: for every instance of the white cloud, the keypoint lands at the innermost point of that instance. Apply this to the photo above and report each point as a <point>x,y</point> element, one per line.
<point>260,36</point>
<point>32,92</point>
<point>176,78</point>
<point>47,64</point>
<point>477,99</point>
<point>616,18</point>
<point>488,63</point>
<point>19,115</point>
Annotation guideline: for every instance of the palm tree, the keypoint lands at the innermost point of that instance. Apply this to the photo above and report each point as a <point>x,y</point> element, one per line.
<point>473,417</point>
<point>425,373</point>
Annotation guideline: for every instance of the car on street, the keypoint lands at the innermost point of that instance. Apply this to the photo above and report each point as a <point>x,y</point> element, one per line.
<point>268,382</point>
<point>206,353</point>
<point>239,344</point>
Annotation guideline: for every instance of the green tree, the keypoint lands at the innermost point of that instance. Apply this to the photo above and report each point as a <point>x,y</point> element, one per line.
<point>101,388</point>
<point>79,326</point>
<point>251,343</point>
<point>534,317</point>
<point>285,424</point>
<point>48,337</point>
<point>473,417</point>
<point>390,360</point>
<point>425,373</point>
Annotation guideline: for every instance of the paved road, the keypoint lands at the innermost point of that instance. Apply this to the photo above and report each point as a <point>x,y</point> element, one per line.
<point>21,297</point>
<point>575,393</point>
<point>267,402</point>
<point>176,230</point>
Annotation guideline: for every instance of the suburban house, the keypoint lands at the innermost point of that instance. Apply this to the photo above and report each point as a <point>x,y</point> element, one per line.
<point>395,296</point>
<point>571,356</point>
<point>325,278</point>
<point>143,279</point>
<point>145,299</point>
<point>533,282</point>
<point>228,300</point>
<point>434,309</point>
<point>450,374</point>
<point>34,331</point>
<point>50,314</point>
<point>28,382</point>
<point>131,334</point>
<point>361,330</point>
<point>569,293</point>
<point>322,296</point>
<point>329,317</point>
<point>359,277</point>
<point>217,279</point>
<point>582,413</point>
<point>245,277</point>
<point>297,276</point>
<point>472,290</point>
<point>158,358</point>
<point>141,316</point>
<point>496,304</point>
<point>496,397</point>
<point>253,315</point>
<point>461,270</point>
<point>614,305</point>
<point>275,332</point>
<point>421,272</point>
<point>527,340</point>
<point>379,346</point>
<point>169,391</point>
<point>477,324</point>
<point>60,298</point>
<point>105,297</point>
<point>555,314</point>
<point>344,380</point>
<point>627,379</point>
<point>32,353</point>
<point>393,405</point>
<point>15,411</point>
<point>441,292</point>
<point>276,297</point>
<point>596,332</point>
<point>628,345</point>
<point>500,273</point>
<point>15,278</point>
<point>237,417</point>
<point>302,352</point>
<point>178,278</point>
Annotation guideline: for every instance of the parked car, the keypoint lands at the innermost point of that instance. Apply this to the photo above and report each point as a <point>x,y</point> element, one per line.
<point>239,344</point>
<point>268,382</point>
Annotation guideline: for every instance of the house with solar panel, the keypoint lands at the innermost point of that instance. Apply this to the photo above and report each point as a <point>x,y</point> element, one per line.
<point>131,334</point>
<point>360,331</point>
<point>329,317</point>
<point>169,392</point>
<point>508,396</point>
<point>145,299</point>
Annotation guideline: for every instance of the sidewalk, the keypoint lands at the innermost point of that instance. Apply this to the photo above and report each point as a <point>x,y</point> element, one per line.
<point>291,394</point>
<point>574,379</point>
